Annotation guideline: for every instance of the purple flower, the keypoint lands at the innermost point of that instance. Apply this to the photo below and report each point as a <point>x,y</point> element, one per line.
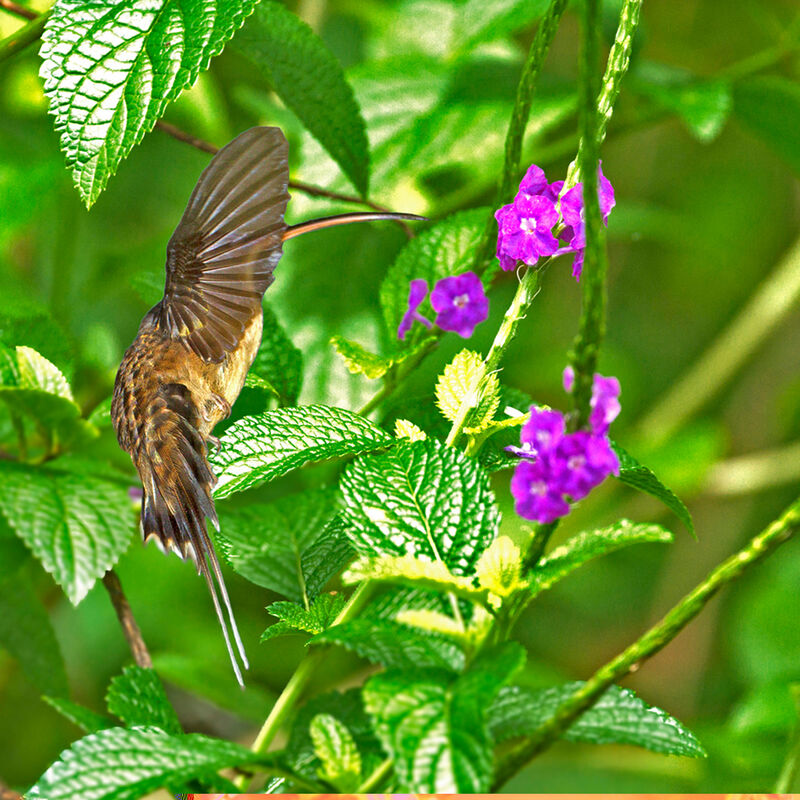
<point>460,303</point>
<point>416,294</point>
<point>526,230</point>
<point>535,494</point>
<point>604,404</point>
<point>543,430</point>
<point>581,461</point>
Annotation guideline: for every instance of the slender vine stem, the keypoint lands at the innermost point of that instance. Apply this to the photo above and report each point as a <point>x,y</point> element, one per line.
<point>26,35</point>
<point>655,639</point>
<point>519,122</point>
<point>374,779</point>
<point>130,628</point>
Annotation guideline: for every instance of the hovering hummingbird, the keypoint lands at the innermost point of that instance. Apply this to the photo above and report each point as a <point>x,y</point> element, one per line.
<point>189,360</point>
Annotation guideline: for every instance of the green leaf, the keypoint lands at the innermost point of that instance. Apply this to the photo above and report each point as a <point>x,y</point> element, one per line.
<point>28,636</point>
<point>329,555</point>
<point>393,645</point>
<point>619,717</point>
<point>447,248</point>
<point>481,20</point>
<point>110,68</point>
<point>360,361</point>
<point>293,617</point>
<point>122,764</point>
<point>770,107</point>
<point>636,475</point>
<point>434,726</point>
<point>260,448</point>
<point>309,79</point>
<point>76,525</point>
<point>9,367</point>
<point>101,414</point>
<point>421,499</point>
<point>266,542</point>
<point>461,378</point>
<point>36,372</point>
<point>278,361</point>
<point>86,719</point>
<point>589,545</point>
<point>338,752</point>
<point>137,697</point>
<point>34,327</point>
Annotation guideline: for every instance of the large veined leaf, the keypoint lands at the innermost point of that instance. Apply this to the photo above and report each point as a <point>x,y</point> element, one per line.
<point>480,20</point>
<point>636,475</point>
<point>278,360</point>
<point>266,542</point>
<point>328,556</point>
<point>36,372</point>
<point>619,717</point>
<point>75,524</point>
<point>292,617</point>
<point>309,79</point>
<point>434,726</point>
<point>589,545</point>
<point>421,499</point>
<point>261,448</point>
<point>122,764</point>
<point>110,67</point>
<point>137,697</point>
<point>26,633</point>
<point>447,248</point>
<point>338,752</point>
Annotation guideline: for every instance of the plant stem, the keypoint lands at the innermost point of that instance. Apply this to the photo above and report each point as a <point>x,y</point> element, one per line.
<point>663,632</point>
<point>16,8</point>
<point>519,121</point>
<point>21,38</point>
<point>790,766</point>
<point>766,309</point>
<point>300,678</point>
<point>378,774</point>
<point>130,629</point>
<point>526,291</point>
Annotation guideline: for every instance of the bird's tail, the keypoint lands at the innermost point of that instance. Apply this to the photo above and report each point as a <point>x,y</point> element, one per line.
<point>177,498</point>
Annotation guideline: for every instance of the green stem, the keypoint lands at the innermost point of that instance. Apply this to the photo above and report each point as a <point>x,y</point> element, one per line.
<point>526,291</point>
<point>300,678</point>
<point>792,763</point>
<point>538,544</point>
<point>374,779</point>
<point>663,632</point>
<point>519,122</point>
<point>23,37</point>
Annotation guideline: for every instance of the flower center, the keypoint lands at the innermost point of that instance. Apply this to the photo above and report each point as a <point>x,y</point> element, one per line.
<point>461,301</point>
<point>527,225</point>
<point>576,462</point>
<point>538,488</point>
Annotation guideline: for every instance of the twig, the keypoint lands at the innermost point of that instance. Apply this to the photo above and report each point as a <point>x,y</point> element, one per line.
<point>15,8</point>
<point>661,634</point>
<point>126,619</point>
<point>26,35</point>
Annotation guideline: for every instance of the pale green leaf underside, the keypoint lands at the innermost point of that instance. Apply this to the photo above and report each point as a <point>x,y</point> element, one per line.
<point>260,448</point>
<point>110,67</point>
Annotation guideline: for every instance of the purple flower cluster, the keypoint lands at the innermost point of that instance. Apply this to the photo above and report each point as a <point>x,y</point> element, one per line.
<point>459,302</point>
<point>557,467</point>
<point>525,227</point>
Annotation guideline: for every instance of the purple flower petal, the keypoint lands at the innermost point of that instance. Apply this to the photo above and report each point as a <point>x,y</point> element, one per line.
<point>534,182</point>
<point>568,379</point>
<point>460,303</point>
<point>543,430</point>
<point>535,497</point>
<point>605,403</point>
<point>418,288</point>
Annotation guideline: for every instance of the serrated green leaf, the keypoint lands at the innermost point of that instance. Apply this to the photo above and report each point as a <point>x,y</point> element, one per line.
<point>9,367</point>
<point>588,545</point>
<point>101,414</point>
<point>328,556</point>
<point>259,449</point>
<point>86,719</point>
<point>499,569</point>
<point>403,429</point>
<point>309,79</point>
<point>137,697</point>
<point>360,361</point>
<point>347,707</point>
<point>27,635</point>
<point>636,475</point>
<point>393,645</point>
<point>34,327</point>
<point>293,617</point>
<point>110,68</point>
<point>447,248</point>
<point>278,361</point>
<point>463,381</point>
<point>769,106</point>
<point>619,717</point>
<point>481,20</point>
<point>122,764</point>
<point>266,542</point>
<point>421,499</point>
<point>36,372</point>
<point>76,525</point>
<point>338,752</point>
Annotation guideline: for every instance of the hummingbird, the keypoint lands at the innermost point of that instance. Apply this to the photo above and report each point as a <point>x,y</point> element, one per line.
<point>189,359</point>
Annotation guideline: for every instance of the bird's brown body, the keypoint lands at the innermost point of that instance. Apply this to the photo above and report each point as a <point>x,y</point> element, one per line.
<point>193,349</point>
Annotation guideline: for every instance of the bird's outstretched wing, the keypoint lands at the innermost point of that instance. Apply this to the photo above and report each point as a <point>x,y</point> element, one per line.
<point>221,257</point>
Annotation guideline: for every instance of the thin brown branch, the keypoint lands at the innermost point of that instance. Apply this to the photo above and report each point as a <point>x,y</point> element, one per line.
<point>300,186</point>
<point>15,8</point>
<point>126,619</point>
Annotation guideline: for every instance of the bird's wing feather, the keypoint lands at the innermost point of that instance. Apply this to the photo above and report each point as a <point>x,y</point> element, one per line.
<point>222,255</point>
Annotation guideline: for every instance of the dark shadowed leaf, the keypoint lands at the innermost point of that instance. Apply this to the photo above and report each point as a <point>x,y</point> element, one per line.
<point>137,697</point>
<point>86,719</point>
<point>278,360</point>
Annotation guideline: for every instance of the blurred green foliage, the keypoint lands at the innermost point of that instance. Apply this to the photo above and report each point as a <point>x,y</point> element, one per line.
<point>704,155</point>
